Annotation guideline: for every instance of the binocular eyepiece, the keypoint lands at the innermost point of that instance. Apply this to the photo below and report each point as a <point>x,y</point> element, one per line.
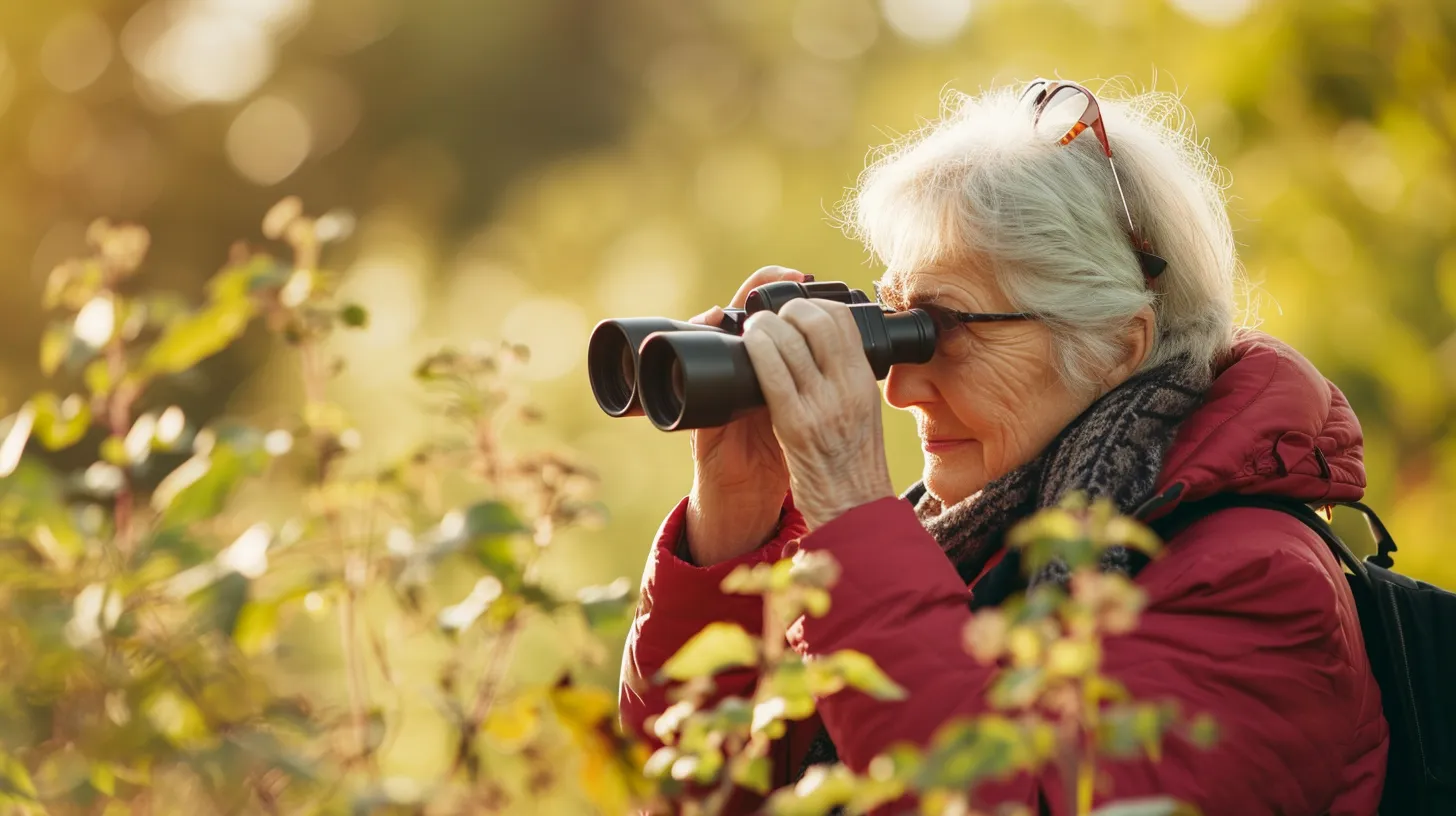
<point>685,375</point>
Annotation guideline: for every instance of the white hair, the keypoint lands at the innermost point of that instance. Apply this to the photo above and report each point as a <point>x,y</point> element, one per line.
<point>983,186</point>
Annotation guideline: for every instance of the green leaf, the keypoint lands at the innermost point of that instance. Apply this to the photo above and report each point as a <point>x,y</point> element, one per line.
<point>33,507</point>
<point>354,316</point>
<point>177,718</point>
<point>55,344</point>
<point>97,377</point>
<point>1154,806</point>
<point>607,608</point>
<point>754,773</point>
<point>60,423</point>
<point>859,671</point>
<point>199,487</point>
<point>196,337</point>
<point>256,628</point>
<point>1203,731</point>
<point>717,647</point>
<point>491,518</point>
<point>113,450</point>
<point>15,779</point>
<point>220,605</point>
<point>237,283</point>
<point>103,778</point>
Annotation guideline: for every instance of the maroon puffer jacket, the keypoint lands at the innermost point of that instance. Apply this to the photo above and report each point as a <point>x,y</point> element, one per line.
<point>1249,618</point>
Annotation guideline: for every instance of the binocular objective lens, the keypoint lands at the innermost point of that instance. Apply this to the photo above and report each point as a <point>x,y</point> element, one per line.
<point>627,365</point>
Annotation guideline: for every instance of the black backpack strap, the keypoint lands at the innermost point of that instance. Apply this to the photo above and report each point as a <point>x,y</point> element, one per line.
<point>1186,514</point>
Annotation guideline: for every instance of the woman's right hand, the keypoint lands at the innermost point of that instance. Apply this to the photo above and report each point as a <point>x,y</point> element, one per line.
<point>739,475</point>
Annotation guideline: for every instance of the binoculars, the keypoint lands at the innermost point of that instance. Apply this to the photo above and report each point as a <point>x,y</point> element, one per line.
<point>685,375</point>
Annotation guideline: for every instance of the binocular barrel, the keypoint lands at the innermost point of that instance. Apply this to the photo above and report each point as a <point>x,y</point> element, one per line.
<point>685,375</point>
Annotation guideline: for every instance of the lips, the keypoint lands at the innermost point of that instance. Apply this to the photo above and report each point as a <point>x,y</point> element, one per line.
<point>942,444</point>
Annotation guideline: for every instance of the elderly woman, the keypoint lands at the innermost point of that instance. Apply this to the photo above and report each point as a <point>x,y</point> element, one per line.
<point>1085,289</point>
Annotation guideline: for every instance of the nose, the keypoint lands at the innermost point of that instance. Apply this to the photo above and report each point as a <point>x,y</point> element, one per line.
<point>909,385</point>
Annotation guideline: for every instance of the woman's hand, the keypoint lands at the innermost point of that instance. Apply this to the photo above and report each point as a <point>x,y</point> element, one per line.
<point>739,475</point>
<point>824,404</point>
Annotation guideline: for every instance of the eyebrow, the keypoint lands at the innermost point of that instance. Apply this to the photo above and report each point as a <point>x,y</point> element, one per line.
<point>891,295</point>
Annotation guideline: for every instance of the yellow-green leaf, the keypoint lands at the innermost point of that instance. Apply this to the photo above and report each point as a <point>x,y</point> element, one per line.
<point>113,450</point>
<point>512,723</point>
<point>60,423</point>
<point>97,376</point>
<point>199,487</point>
<point>196,337</point>
<point>1155,806</point>
<point>754,773</point>
<point>859,670</point>
<point>55,344</point>
<point>717,647</point>
<point>256,628</point>
<point>103,778</point>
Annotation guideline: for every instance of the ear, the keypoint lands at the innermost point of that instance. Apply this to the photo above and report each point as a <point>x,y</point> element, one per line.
<point>1137,343</point>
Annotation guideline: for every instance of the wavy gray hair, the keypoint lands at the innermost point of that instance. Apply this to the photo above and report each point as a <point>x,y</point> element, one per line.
<point>982,186</point>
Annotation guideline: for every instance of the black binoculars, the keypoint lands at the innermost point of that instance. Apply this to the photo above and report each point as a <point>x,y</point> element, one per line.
<point>685,375</point>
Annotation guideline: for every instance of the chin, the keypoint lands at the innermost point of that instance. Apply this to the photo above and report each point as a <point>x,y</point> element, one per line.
<point>951,485</point>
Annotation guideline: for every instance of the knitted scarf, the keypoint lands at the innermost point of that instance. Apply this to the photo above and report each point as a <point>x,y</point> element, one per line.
<point>1113,450</point>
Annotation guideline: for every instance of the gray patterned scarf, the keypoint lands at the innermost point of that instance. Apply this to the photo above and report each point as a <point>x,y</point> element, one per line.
<point>1114,450</point>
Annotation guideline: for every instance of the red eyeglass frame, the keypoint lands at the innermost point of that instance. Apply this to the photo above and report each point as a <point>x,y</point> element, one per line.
<point>1041,93</point>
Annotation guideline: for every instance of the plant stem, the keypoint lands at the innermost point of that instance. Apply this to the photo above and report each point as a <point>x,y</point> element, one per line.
<point>328,449</point>
<point>486,692</point>
<point>118,422</point>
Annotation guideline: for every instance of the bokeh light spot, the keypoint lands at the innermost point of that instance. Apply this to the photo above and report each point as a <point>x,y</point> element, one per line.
<point>203,51</point>
<point>554,329</point>
<point>62,137</point>
<point>835,29</point>
<point>388,284</point>
<point>269,140</point>
<point>1215,12</point>
<point>809,103</point>
<point>647,272</point>
<point>76,52</point>
<point>739,188</point>
<point>927,21</point>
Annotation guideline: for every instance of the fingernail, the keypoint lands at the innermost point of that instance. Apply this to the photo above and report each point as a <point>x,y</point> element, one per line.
<point>808,279</point>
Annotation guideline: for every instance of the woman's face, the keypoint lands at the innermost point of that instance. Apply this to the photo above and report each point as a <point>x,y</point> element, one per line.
<point>991,399</point>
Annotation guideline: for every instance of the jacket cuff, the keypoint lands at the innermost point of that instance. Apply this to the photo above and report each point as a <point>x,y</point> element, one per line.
<point>683,597</point>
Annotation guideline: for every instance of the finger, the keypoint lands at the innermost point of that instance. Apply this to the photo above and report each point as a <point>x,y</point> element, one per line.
<point>823,332</point>
<point>767,274</point>
<point>849,329</point>
<point>793,350</point>
<point>780,391</point>
<point>712,317</point>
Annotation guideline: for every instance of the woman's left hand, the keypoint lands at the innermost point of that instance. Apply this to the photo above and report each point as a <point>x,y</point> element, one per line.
<point>824,404</point>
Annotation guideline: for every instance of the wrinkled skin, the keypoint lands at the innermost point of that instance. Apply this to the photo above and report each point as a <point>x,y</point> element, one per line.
<point>992,385</point>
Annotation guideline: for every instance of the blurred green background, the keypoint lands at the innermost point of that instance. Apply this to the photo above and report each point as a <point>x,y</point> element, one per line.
<point>523,169</point>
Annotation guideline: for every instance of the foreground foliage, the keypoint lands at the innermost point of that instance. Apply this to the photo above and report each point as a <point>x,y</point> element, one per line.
<point>168,639</point>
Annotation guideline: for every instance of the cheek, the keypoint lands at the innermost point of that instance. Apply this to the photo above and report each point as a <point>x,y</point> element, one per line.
<point>1014,402</point>
<point>990,390</point>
